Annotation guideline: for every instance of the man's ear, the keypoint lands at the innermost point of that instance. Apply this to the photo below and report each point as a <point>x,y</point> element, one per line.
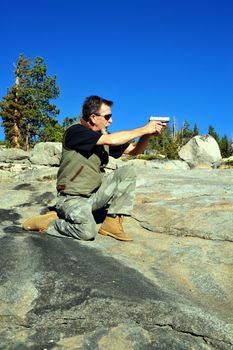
<point>92,119</point>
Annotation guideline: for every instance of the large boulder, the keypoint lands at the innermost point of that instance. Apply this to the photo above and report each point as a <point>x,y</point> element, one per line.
<point>46,153</point>
<point>201,150</point>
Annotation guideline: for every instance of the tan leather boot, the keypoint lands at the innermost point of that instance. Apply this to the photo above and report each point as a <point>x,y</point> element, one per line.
<point>39,223</point>
<point>113,227</point>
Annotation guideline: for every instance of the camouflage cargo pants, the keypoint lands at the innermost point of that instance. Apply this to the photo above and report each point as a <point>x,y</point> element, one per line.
<point>76,212</point>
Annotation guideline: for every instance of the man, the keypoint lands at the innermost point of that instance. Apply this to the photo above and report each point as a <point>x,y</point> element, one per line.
<point>82,186</point>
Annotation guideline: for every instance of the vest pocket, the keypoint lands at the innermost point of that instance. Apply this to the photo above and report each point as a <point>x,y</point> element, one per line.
<point>83,181</point>
<point>77,173</point>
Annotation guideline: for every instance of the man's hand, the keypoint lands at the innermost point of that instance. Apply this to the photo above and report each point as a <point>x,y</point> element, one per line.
<point>154,128</point>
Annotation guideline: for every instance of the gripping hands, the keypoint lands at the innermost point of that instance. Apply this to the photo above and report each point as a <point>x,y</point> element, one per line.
<point>156,124</point>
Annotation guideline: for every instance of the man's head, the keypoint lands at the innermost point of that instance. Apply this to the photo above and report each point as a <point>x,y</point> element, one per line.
<point>97,112</point>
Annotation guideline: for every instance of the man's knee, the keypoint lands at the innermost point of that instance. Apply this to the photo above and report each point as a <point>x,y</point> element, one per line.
<point>85,232</point>
<point>89,234</point>
<point>82,221</point>
<point>127,171</point>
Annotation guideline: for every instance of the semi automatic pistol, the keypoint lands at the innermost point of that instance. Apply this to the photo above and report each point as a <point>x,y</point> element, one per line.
<point>160,119</point>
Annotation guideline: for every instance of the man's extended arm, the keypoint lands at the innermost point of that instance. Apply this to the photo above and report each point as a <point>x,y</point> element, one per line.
<point>121,137</point>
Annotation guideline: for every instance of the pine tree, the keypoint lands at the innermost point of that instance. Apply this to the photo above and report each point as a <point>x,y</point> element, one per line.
<point>52,132</point>
<point>26,110</point>
<point>195,130</point>
<point>166,143</point>
<point>67,121</point>
<point>10,112</point>
<point>212,133</point>
<point>186,132</point>
<point>224,146</point>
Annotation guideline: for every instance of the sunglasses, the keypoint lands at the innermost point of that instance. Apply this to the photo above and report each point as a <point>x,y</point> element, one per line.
<point>106,116</point>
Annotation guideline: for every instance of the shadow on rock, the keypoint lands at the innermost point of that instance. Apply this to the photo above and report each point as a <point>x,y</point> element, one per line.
<point>27,186</point>
<point>9,215</point>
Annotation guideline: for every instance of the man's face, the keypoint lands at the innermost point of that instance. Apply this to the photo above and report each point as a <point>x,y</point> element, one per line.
<point>104,118</point>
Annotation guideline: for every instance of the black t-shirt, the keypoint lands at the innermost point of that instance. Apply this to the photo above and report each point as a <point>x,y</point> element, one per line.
<point>84,140</point>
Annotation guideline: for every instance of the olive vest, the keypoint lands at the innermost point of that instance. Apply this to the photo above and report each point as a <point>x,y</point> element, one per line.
<point>81,174</point>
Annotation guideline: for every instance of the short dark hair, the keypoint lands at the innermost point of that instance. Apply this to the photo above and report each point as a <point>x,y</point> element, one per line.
<point>92,105</point>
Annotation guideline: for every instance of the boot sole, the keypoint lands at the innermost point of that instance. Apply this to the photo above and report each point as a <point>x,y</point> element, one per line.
<point>105,233</point>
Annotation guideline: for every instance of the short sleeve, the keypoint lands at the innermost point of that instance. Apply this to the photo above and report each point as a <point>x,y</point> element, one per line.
<point>117,151</point>
<point>81,138</point>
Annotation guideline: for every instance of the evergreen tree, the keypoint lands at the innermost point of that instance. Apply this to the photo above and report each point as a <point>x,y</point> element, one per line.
<point>186,132</point>
<point>195,130</point>
<point>10,111</point>
<point>212,133</point>
<point>52,132</point>
<point>30,100</point>
<point>70,121</point>
<point>166,144</point>
<point>224,146</point>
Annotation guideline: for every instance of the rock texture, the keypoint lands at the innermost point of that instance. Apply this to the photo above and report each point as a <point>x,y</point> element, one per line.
<point>171,288</point>
<point>201,151</point>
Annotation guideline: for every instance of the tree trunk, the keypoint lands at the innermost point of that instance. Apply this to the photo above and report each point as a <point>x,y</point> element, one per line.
<point>16,131</point>
<point>16,137</point>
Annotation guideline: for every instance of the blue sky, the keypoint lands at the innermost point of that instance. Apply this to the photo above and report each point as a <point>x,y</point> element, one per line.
<point>150,57</point>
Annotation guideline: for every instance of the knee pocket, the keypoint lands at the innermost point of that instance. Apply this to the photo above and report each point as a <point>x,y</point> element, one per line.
<point>78,214</point>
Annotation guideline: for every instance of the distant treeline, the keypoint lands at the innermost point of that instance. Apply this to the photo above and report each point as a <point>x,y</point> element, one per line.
<point>30,116</point>
<point>171,140</point>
